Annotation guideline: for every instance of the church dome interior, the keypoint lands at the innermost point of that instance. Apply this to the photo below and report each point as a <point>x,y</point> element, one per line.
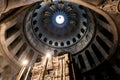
<point>78,38</point>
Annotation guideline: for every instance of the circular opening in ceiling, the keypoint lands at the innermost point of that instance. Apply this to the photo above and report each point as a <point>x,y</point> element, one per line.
<point>60,19</point>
